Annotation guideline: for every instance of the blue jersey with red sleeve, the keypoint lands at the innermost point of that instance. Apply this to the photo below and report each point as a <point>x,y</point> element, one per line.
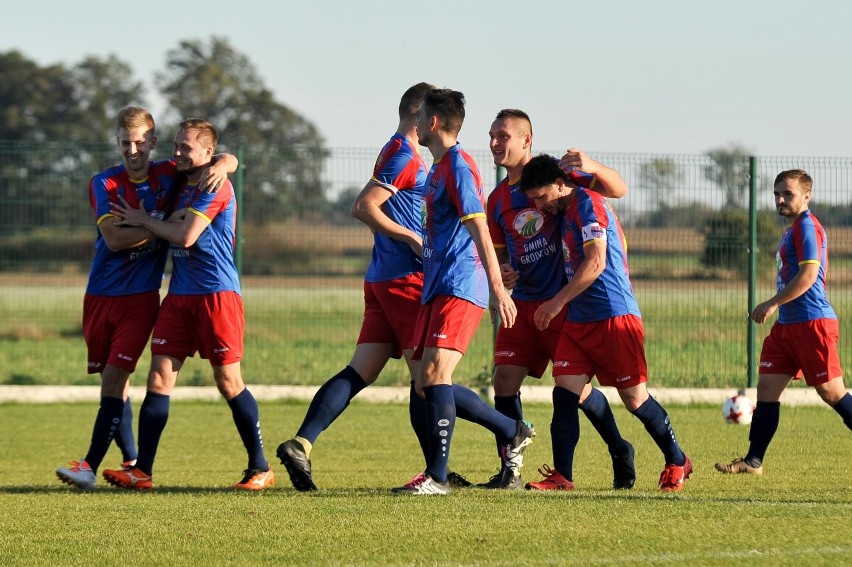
<point>208,265</point>
<point>138,269</point>
<point>804,242</point>
<point>533,239</point>
<point>401,170</point>
<point>451,264</point>
<point>590,219</point>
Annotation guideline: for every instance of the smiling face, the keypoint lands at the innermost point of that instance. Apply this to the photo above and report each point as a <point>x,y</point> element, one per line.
<point>190,151</point>
<point>136,145</point>
<point>510,142</point>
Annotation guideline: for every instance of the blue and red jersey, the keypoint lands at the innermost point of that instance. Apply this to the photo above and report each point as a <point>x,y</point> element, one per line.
<point>533,239</point>
<point>138,269</point>
<point>208,265</point>
<point>589,219</point>
<point>804,242</point>
<point>401,170</point>
<point>451,264</point>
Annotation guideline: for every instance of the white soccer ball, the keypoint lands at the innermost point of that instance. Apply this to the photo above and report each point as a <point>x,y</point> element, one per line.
<point>738,409</point>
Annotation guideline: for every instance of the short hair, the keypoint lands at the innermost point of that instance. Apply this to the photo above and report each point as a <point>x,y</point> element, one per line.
<point>800,175</point>
<point>541,170</point>
<point>206,131</point>
<point>412,99</point>
<point>515,113</point>
<point>448,106</point>
<point>131,117</point>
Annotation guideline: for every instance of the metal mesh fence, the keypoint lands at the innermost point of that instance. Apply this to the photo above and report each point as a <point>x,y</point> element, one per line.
<point>685,217</point>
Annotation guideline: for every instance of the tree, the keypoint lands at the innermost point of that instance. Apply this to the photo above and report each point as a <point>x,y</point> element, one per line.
<point>36,103</point>
<point>102,87</point>
<point>661,176</point>
<point>285,152</point>
<point>730,172</point>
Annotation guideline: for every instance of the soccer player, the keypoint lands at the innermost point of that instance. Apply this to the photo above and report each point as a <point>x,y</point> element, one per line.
<point>390,205</point>
<point>529,248</point>
<point>461,277</point>
<point>122,297</point>
<point>602,334</point>
<point>803,341</point>
<point>202,312</point>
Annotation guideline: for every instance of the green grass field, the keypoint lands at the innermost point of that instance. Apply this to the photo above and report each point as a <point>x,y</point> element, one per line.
<point>304,333</point>
<point>796,514</point>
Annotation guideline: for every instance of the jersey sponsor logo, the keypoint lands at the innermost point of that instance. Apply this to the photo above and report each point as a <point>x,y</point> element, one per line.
<point>593,231</point>
<point>423,214</point>
<point>528,223</point>
<point>536,249</point>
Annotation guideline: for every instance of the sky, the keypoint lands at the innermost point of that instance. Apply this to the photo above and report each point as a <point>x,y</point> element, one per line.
<point>671,77</point>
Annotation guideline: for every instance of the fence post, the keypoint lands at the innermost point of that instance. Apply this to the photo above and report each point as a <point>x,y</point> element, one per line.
<point>752,267</point>
<point>238,192</point>
<point>499,174</point>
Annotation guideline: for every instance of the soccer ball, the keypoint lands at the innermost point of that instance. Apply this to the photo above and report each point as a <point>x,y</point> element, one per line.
<point>738,409</point>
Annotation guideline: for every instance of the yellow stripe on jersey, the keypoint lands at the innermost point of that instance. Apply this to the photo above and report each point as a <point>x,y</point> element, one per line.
<point>200,214</point>
<point>472,216</point>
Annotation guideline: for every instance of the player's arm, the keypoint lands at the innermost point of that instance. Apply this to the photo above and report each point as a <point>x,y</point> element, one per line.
<point>367,208</point>
<point>590,269</point>
<point>500,303</point>
<point>801,282</point>
<point>214,176</point>
<point>122,237</point>
<point>183,232</point>
<point>608,181</point>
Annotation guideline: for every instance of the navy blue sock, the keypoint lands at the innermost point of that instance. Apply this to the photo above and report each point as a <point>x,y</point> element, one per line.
<point>247,419</point>
<point>764,424</point>
<point>597,409</point>
<point>564,430</point>
<point>656,421</point>
<point>107,423</point>
<point>329,402</point>
<point>511,407</point>
<point>153,416</point>
<point>471,407</point>
<point>844,408</point>
<point>124,437</point>
<point>441,412</point>
<point>418,412</point>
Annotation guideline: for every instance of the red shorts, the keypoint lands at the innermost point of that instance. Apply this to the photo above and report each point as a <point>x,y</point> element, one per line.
<point>390,312</point>
<point>116,329</point>
<point>211,325</point>
<point>808,348</point>
<point>446,322</point>
<point>612,349</point>
<point>524,345</point>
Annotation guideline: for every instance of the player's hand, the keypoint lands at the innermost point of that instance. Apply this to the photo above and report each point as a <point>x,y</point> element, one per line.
<point>129,216</point>
<point>213,177</point>
<point>509,275</point>
<point>576,159</point>
<point>501,304</point>
<point>762,312</point>
<point>545,314</point>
